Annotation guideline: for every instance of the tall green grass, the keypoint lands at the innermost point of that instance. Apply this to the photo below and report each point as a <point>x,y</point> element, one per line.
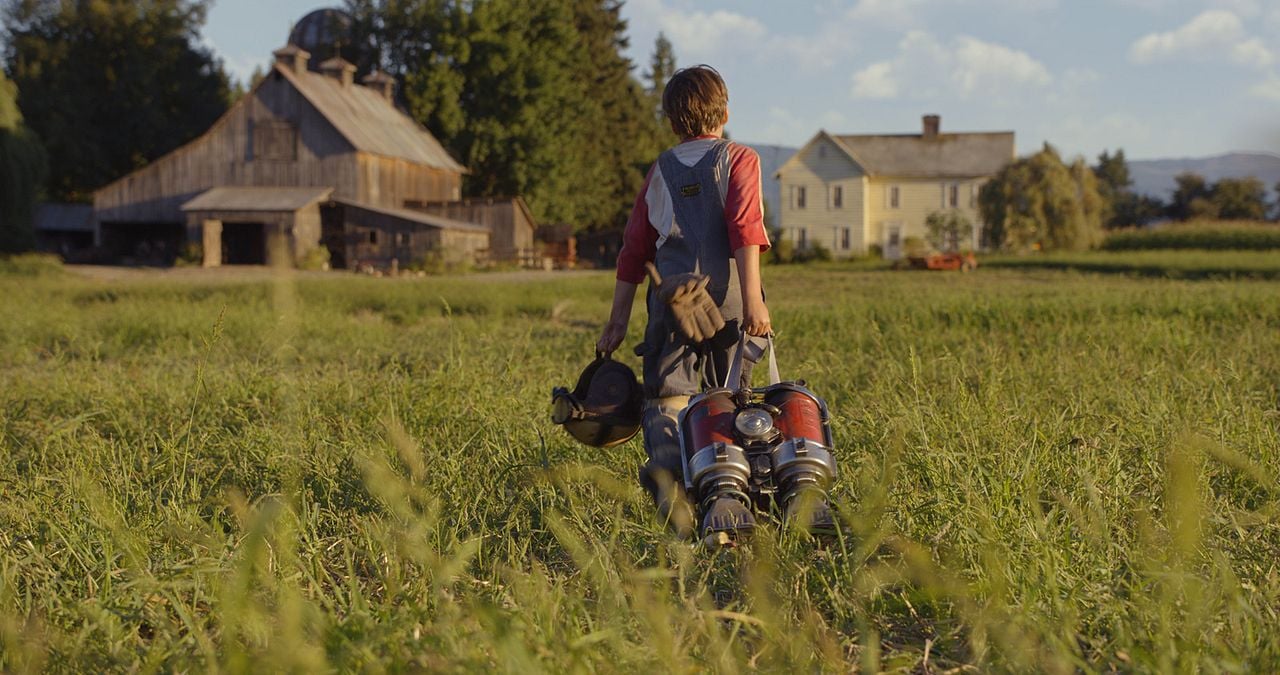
<point>1039,471</point>
<point>1202,235</point>
<point>1178,264</point>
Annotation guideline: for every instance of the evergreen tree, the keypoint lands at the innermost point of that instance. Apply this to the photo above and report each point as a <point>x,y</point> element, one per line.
<point>112,84</point>
<point>662,65</point>
<point>1040,203</point>
<point>22,170</point>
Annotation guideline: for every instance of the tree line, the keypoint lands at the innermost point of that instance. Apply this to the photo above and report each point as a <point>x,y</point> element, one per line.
<point>1041,202</point>
<point>535,98</point>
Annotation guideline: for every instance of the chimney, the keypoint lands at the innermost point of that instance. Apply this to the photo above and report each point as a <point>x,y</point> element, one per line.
<point>292,58</point>
<point>339,69</point>
<point>931,125</point>
<point>382,83</point>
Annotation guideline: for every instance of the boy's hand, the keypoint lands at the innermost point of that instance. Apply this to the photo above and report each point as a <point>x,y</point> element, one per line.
<point>755,318</point>
<point>614,333</point>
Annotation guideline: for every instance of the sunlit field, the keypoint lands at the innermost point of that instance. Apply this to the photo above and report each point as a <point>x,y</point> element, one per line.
<point>1039,471</point>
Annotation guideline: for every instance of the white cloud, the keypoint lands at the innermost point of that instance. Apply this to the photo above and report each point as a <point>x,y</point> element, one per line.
<point>875,81</point>
<point>1246,8</point>
<point>966,67</point>
<point>702,34</point>
<point>1267,89</point>
<point>1208,37</point>
<point>985,66</point>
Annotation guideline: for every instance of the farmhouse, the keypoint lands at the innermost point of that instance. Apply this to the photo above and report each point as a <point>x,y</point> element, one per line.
<point>853,194</point>
<point>307,159</point>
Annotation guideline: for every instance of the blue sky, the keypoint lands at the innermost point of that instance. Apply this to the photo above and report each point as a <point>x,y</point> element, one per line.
<point>1159,78</point>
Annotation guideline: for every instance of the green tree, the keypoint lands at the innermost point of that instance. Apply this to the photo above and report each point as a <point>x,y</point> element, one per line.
<point>1239,199</point>
<point>948,230</point>
<point>536,99</point>
<point>110,85</point>
<point>1114,181</point>
<point>22,171</point>
<point>1191,198</point>
<point>662,65</point>
<point>1038,202</point>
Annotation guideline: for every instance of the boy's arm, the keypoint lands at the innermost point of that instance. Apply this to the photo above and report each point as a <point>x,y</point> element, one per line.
<point>639,242</point>
<point>615,331</point>
<point>744,217</point>
<point>755,314</point>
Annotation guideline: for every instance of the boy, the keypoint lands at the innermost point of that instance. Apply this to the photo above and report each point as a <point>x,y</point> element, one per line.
<point>699,212</point>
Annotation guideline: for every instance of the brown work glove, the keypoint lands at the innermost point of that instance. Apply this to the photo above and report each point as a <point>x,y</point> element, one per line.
<point>690,305</point>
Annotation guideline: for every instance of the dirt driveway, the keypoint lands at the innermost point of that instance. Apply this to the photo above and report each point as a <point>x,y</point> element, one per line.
<point>249,273</point>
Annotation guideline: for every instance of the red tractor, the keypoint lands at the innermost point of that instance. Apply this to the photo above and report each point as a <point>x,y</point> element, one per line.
<point>944,261</point>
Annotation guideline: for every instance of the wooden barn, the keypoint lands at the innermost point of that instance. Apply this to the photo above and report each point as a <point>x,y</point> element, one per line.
<point>309,159</point>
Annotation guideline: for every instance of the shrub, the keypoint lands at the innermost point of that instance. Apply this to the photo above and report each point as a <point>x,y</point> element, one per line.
<point>31,265</point>
<point>316,258</point>
<point>191,255</point>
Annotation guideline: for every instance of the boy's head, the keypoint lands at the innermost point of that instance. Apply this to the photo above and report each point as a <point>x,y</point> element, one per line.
<point>696,101</point>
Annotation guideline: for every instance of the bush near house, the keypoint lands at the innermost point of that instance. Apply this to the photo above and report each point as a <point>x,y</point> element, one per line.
<point>1202,234</point>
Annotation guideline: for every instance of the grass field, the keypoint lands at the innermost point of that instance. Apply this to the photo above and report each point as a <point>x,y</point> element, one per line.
<point>1040,470</point>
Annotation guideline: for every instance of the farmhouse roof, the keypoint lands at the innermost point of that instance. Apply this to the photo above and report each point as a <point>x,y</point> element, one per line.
<point>916,156</point>
<point>369,121</point>
<point>416,217</point>
<point>230,198</point>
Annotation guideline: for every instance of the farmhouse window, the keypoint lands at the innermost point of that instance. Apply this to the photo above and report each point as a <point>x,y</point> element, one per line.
<point>955,194</point>
<point>893,197</point>
<point>274,140</point>
<point>844,239</point>
<point>800,197</point>
<point>802,238</point>
<point>837,197</point>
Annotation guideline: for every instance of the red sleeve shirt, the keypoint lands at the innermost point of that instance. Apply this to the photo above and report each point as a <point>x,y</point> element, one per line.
<point>743,216</point>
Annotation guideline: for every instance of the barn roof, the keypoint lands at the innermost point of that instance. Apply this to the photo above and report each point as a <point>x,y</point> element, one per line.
<point>52,217</point>
<point>416,217</point>
<point>369,121</point>
<point>915,156</point>
<point>229,198</point>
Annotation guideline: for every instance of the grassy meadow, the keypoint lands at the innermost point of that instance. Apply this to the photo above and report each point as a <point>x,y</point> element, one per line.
<point>1040,471</point>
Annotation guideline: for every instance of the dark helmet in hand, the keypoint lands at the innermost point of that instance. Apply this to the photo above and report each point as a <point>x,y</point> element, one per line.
<point>604,409</point>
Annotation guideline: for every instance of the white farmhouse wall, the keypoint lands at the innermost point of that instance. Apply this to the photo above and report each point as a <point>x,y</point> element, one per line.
<point>819,169</point>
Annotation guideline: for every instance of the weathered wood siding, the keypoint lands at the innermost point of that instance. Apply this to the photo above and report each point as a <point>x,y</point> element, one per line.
<point>229,154</point>
<point>818,170</point>
<point>510,225</point>
<point>224,155</point>
<point>398,183</point>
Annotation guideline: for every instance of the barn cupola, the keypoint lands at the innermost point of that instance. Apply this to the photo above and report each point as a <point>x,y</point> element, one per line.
<point>293,58</point>
<point>339,69</point>
<point>932,124</point>
<point>382,83</point>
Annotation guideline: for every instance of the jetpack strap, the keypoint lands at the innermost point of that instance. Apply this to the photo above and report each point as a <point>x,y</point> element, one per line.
<point>750,350</point>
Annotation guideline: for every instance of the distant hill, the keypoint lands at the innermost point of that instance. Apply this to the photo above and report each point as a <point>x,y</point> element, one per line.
<point>772,157</point>
<point>1155,177</point>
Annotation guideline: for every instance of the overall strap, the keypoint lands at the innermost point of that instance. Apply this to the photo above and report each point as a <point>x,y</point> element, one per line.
<point>752,350</point>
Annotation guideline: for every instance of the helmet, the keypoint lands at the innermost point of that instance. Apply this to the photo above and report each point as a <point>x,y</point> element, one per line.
<point>604,409</point>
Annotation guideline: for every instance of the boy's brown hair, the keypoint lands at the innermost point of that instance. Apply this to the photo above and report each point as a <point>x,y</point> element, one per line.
<point>695,100</point>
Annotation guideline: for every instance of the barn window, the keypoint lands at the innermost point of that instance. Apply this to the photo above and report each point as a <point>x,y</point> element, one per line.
<point>404,238</point>
<point>373,236</point>
<point>274,140</point>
